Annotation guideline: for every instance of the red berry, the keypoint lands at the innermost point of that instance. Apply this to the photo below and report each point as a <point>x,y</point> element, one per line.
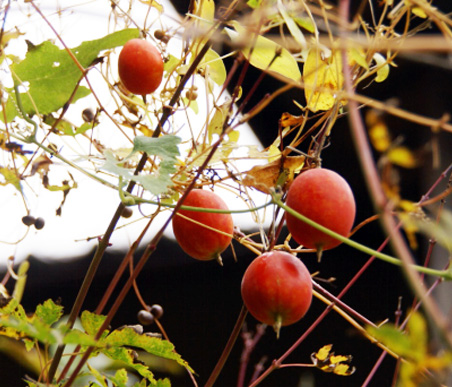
<point>277,289</point>
<point>196,240</point>
<point>326,198</point>
<point>140,67</point>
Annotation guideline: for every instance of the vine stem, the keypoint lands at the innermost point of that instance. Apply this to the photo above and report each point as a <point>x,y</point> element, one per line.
<point>228,347</point>
<point>445,274</point>
<point>103,244</point>
<point>150,249</point>
<point>277,363</point>
<point>376,191</point>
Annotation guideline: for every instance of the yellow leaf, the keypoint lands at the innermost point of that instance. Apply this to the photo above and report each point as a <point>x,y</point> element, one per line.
<point>402,157</point>
<point>359,57</point>
<point>383,67</point>
<point>379,136</point>
<point>418,11</point>
<point>217,71</point>
<point>263,53</point>
<point>154,4</point>
<point>274,153</point>
<point>322,79</point>
<point>323,353</point>
<point>339,359</point>
<point>327,361</point>
<point>205,9</point>
<point>292,26</point>
<point>417,328</point>
<point>344,369</point>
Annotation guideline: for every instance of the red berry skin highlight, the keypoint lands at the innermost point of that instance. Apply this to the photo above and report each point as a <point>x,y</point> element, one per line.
<point>326,198</point>
<point>140,67</point>
<point>197,241</point>
<point>277,289</point>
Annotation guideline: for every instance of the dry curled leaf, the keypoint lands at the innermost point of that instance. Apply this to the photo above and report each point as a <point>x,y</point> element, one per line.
<point>273,174</point>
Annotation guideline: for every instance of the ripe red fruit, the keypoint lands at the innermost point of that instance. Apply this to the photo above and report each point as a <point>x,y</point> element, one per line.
<point>203,243</point>
<point>326,198</point>
<point>140,67</point>
<point>277,289</point>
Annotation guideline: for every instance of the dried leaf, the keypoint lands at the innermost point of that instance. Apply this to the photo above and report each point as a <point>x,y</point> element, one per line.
<point>271,175</point>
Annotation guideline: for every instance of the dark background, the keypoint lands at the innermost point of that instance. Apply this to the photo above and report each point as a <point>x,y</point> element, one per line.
<point>202,300</point>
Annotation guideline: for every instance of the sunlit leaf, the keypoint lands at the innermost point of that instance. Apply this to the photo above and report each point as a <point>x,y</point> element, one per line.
<point>392,338</point>
<point>322,78</point>
<point>254,3</point>
<point>378,131</point>
<point>120,378</point>
<point>157,182</point>
<point>359,57</point>
<point>91,322</point>
<point>49,312</point>
<point>263,53</point>
<point>306,23</point>
<point>382,66</point>
<point>418,11</point>
<point>154,4</point>
<point>52,75</point>
<point>213,63</point>
<point>439,231</point>
<point>292,26</point>
<point>153,345</point>
<point>165,147</point>
<point>323,353</point>
<point>10,177</point>
<point>402,156</point>
<point>327,361</point>
<point>417,328</point>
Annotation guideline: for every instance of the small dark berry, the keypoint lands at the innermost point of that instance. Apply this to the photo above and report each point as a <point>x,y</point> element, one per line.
<point>145,317</point>
<point>28,220</point>
<point>127,212</point>
<point>157,311</point>
<point>88,115</point>
<point>39,223</point>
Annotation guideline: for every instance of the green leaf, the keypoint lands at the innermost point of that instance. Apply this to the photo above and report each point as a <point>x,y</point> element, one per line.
<point>393,338</point>
<point>165,147</point>
<point>214,63</point>
<point>153,345</point>
<point>78,337</point>
<point>254,3</point>
<point>51,75</point>
<point>49,312</point>
<point>120,378</point>
<point>10,177</point>
<point>91,323</point>
<point>163,383</point>
<point>417,328</point>
<point>36,330</point>
<point>306,23</point>
<point>264,52</point>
